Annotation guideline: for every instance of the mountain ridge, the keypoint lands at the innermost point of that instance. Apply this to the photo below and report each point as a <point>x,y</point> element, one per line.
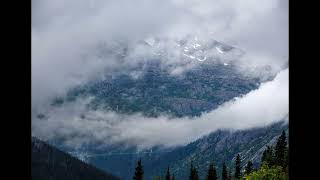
<point>218,146</point>
<point>48,162</point>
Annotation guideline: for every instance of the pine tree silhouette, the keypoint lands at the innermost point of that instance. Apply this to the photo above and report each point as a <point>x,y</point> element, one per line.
<point>196,177</point>
<point>193,173</point>
<point>237,172</point>
<point>168,174</point>
<point>229,174</point>
<point>249,167</point>
<point>138,175</point>
<point>224,173</point>
<point>268,156</point>
<point>280,150</point>
<point>212,174</point>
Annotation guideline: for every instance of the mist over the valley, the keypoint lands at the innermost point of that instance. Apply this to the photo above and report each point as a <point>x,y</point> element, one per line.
<point>77,41</point>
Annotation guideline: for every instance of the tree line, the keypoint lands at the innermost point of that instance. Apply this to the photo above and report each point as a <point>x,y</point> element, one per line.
<point>274,165</point>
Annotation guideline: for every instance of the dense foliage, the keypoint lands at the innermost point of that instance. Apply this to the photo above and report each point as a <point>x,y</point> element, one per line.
<point>266,173</point>
<point>249,167</point>
<point>274,162</point>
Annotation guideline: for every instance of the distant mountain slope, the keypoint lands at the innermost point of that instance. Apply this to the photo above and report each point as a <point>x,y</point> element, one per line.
<point>218,146</point>
<point>223,146</point>
<point>156,92</point>
<point>149,86</point>
<point>49,163</point>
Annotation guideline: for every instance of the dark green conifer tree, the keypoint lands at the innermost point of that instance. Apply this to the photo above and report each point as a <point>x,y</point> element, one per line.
<point>237,172</point>
<point>287,157</point>
<point>264,156</point>
<point>280,150</point>
<point>138,175</point>
<point>196,177</point>
<point>249,167</point>
<point>212,173</point>
<point>268,156</point>
<point>193,173</point>
<point>224,172</point>
<point>168,174</point>
<point>229,175</point>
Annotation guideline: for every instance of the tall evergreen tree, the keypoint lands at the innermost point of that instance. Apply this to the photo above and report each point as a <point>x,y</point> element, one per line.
<point>249,167</point>
<point>224,172</point>
<point>212,173</point>
<point>268,156</point>
<point>280,150</point>
<point>193,173</point>
<point>196,177</point>
<point>264,156</point>
<point>138,175</point>
<point>287,157</point>
<point>229,175</point>
<point>168,174</point>
<point>237,172</point>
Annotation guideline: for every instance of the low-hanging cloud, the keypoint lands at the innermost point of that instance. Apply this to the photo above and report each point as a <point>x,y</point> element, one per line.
<point>65,35</point>
<point>260,107</point>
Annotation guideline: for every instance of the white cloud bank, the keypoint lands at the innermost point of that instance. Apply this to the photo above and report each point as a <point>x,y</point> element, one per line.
<point>65,34</point>
<point>260,107</point>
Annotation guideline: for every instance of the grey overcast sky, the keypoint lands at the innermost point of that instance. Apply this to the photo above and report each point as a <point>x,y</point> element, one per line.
<point>64,34</point>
